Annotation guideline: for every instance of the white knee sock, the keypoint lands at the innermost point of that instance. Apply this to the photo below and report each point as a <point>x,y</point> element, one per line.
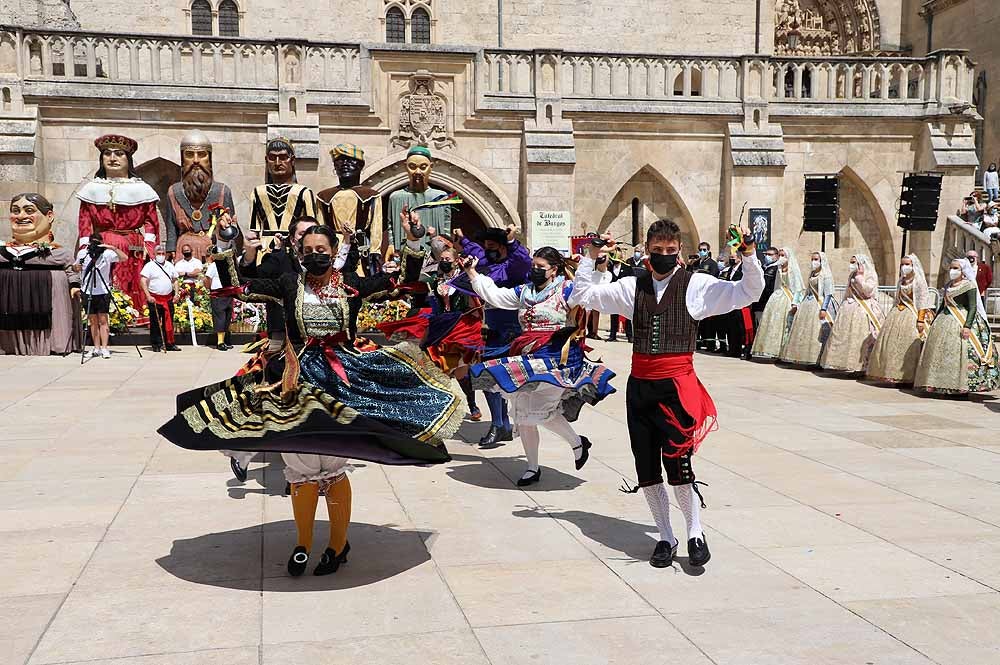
<point>529,439</point>
<point>690,504</point>
<point>659,505</point>
<point>557,424</point>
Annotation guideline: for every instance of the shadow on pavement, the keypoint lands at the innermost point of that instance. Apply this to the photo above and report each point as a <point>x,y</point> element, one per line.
<point>378,552</point>
<point>496,473</point>
<point>472,432</point>
<point>636,541</point>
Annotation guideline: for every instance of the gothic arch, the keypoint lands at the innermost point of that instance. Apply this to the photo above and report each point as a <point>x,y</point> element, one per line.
<point>864,226</point>
<point>656,199</point>
<point>826,27</point>
<point>453,174</point>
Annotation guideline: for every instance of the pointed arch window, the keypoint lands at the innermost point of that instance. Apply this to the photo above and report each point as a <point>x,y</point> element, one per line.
<point>420,26</point>
<point>201,18</point>
<point>229,19</point>
<point>395,26</point>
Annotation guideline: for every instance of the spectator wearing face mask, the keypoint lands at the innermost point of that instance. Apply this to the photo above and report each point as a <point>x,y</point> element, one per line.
<point>618,269</point>
<point>704,262</point>
<point>990,225</point>
<point>984,273</point>
<point>189,268</point>
<point>991,182</point>
<point>770,272</point>
<point>158,281</point>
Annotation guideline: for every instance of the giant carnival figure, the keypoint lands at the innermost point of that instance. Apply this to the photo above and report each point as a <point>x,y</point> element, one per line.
<point>198,200</point>
<point>355,206</point>
<point>419,193</point>
<point>280,200</point>
<point>119,205</point>
<point>37,284</point>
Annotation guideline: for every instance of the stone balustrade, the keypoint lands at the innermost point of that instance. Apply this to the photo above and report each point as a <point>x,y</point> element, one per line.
<point>226,68</point>
<point>238,69</point>
<point>943,78</point>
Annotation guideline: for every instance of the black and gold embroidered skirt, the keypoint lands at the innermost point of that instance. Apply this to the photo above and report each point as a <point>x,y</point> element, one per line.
<point>394,407</point>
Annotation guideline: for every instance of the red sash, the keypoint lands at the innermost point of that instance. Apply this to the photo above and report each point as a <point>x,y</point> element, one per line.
<point>329,345</point>
<point>168,320</point>
<point>695,400</point>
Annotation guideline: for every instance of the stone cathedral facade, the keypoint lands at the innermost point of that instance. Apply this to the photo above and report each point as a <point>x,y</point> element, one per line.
<point>612,113</point>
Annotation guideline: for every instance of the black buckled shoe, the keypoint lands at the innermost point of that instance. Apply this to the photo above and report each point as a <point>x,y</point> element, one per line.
<point>529,478</point>
<point>238,471</point>
<point>698,554</point>
<point>492,438</point>
<point>330,561</point>
<point>585,455</point>
<point>297,562</point>
<point>663,555</point>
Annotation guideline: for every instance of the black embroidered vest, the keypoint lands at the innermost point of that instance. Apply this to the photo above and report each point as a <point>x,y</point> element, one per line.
<point>665,326</point>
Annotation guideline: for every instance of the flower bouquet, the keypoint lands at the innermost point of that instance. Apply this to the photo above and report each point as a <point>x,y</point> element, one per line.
<point>374,313</point>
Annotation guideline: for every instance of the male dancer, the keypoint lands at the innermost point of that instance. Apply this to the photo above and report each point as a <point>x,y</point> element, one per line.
<point>507,262</point>
<point>669,410</point>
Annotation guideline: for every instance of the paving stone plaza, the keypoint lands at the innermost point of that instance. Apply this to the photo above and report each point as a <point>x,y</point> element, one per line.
<point>850,524</point>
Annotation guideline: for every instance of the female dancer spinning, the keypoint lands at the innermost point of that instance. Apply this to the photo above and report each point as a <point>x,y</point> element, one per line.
<point>322,400</point>
<point>545,378</point>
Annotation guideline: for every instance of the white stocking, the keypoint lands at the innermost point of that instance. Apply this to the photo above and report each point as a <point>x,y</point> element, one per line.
<point>690,504</point>
<point>659,505</point>
<point>529,439</point>
<point>557,424</point>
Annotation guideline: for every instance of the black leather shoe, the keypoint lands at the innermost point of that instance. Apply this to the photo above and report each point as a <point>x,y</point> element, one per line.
<point>330,561</point>
<point>506,435</point>
<point>585,455</point>
<point>222,347</point>
<point>612,339</point>
<point>238,471</point>
<point>492,438</point>
<point>297,562</point>
<point>157,349</point>
<point>663,555</point>
<point>698,554</point>
<point>173,347</point>
<point>526,480</point>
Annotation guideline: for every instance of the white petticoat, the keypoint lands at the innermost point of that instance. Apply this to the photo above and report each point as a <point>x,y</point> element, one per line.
<point>303,468</point>
<point>536,404</point>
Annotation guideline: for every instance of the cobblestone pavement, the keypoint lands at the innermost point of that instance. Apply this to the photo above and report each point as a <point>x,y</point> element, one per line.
<point>848,523</point>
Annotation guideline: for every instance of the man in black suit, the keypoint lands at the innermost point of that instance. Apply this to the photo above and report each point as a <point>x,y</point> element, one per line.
<point>770,273</point>
<point>623,268</point>
<point>704,262</point>
<point>732,327</point>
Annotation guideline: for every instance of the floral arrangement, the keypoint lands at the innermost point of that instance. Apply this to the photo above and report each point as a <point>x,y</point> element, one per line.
<point>122,316</point>
<point>202,302</point>
<point>248,317</point>
<point>374,313</point>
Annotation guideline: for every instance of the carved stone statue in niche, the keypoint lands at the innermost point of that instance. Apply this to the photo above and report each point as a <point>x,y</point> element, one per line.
<point>422,115</point>
<point>828,27</point>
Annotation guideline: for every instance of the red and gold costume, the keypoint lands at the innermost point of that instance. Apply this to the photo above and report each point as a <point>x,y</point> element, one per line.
<point>124,211</point>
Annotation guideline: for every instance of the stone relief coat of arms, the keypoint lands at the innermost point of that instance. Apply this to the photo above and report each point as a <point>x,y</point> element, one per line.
<point>422,116</point>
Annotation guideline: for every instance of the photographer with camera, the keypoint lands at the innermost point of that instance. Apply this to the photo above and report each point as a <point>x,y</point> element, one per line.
<point>95,261</point>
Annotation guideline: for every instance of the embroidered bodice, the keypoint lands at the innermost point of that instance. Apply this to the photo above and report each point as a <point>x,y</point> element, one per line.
<point>814,286</point>
<point>904,294</point>
<point>546,310</point>
<point>323,312</point>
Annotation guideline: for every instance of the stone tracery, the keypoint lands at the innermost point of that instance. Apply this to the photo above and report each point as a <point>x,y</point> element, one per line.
<point>826,27</point>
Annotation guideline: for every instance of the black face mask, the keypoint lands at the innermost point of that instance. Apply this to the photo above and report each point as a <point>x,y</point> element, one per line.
<point>538,276</point>
<point>187,255</point>
<point>732,262</point>
<point>444,266</point>
<point>663,263</point>
<point>316,263</point>
<point>493,255</point>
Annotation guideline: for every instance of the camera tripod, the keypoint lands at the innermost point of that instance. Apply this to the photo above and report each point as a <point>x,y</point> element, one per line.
<point>90,276</point>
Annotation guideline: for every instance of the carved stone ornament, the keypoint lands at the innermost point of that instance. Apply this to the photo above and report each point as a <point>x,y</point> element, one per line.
<point>422,115</point>
<point>826,27</point>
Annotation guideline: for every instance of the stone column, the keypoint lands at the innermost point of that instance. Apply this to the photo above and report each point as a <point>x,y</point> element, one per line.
<point>548,163</point>
<point>754,174</point>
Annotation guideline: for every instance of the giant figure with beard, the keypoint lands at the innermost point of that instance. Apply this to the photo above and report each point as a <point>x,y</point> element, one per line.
<point>122,207</point>
<point>191,201</point>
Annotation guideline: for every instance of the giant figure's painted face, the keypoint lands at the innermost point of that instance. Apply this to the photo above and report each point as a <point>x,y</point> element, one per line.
<point>115,163</point>
<point>280,165</point>
<point>28,223</point>
<point>418,168</point>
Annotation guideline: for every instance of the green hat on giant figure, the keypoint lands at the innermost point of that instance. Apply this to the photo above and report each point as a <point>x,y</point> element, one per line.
<point>419,150</point>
